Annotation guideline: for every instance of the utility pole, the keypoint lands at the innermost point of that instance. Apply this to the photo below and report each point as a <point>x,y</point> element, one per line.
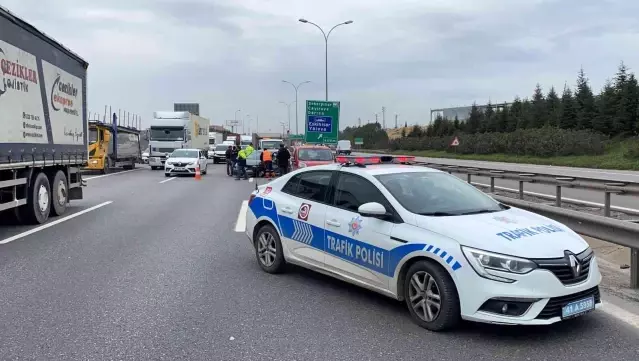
<point>359,122</point>
<point>376,119</point>
<point>396,116</point>
<point>383,117</point>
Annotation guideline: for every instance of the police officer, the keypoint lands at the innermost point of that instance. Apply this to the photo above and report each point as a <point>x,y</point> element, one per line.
<point>233,159</point>
<point>241,164</point>
<point>283,157</point>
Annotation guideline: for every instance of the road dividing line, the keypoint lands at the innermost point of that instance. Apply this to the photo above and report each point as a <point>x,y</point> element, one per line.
<point>110,174</point>
<point>167,180</point>
<point>620,314</point>
<point>51,224</point>
<point>240,224</point>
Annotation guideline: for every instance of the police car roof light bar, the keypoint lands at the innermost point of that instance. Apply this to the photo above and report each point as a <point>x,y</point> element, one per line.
<point>373,159</point>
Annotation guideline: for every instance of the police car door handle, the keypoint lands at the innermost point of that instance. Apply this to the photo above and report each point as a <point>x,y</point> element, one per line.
<point>333,223</point>
<point>288,210</point>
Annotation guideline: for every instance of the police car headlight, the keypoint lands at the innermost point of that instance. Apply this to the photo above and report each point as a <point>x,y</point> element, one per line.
<point>486,263</point>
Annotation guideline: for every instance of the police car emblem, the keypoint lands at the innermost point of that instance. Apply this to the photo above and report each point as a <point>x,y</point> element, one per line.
<point>303,212</point>
<point>355,225</point>
<point>504,220</point>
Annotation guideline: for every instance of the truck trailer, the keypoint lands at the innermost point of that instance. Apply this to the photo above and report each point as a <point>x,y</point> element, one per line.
<point>43,122</point>
<point>175,130</point>
<point>113,146</point>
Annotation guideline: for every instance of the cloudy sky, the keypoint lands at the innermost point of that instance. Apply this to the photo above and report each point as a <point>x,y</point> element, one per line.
<point>407,55</point>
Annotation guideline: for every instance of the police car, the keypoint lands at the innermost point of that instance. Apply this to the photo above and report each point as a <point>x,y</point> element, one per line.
<point>422,236</point>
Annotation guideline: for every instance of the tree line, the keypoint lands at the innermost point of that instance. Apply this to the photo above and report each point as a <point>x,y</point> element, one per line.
<point>574,122</point>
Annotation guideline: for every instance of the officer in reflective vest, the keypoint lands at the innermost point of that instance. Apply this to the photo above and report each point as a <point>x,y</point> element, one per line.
<point>267,158</point>
<point>241,164</point>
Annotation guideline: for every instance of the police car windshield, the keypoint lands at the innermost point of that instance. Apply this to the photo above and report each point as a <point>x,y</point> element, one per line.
<point>183,153</point>
<point>437,194</point>
<point>316,155</point>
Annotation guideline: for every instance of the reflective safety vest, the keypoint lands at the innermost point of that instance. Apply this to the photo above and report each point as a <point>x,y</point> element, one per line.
<point>241,154</point>
<point>266,156</point>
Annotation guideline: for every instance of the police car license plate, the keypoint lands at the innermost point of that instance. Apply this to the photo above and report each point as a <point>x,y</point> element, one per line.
<point>178,168</point>
<point>578,308</point>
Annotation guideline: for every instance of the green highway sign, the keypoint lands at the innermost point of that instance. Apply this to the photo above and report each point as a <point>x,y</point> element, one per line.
<point>359,141</point>
<point>322,121</point>
<point>296,136</point>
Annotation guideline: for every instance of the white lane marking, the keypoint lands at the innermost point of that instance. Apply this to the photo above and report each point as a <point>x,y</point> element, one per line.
<point>251,180</point>
<point>167,180</point>
<point>240,224</point>
<point>51,224</point>
<point>110,174</point>
<point>620,314</point>
<point>551,196</point>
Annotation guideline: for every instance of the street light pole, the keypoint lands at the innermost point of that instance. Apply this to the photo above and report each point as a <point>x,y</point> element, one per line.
<point>296,87</point>
<point>326,35</point>
<point>288,106</point>
<point>239,110</point>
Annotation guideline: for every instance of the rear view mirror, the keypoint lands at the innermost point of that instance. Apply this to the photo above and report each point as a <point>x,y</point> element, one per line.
<point>372,209</point>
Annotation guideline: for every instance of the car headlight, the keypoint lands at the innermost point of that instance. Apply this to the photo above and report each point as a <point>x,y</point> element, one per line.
<point>486,263</point>
<point>302,165</point>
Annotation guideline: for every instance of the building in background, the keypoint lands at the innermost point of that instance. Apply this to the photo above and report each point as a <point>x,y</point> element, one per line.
<point>462,113</point>
<point>193,108</point>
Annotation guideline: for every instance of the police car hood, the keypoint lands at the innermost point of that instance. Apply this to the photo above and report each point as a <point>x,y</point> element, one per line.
<point>513,232</point>
<point>182,160</point>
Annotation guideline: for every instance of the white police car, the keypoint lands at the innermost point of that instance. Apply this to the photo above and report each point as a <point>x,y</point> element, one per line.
<point>425,237</point>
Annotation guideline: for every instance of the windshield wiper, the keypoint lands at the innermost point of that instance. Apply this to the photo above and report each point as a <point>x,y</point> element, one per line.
<point>438,214</point>
<point>480,212</point>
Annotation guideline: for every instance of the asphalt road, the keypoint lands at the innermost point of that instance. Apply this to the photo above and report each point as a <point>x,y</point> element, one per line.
<point>160,274</point>
<point>580,194</point>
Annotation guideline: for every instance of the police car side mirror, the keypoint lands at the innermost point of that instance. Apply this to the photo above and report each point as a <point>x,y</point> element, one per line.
<point>372,209</point>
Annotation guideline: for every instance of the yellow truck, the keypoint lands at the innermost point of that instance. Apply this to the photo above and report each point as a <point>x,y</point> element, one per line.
<point>113,146</point>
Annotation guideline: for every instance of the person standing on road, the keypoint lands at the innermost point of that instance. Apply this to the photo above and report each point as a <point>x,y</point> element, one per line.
<point>249,150</point>
<point>233,159</point>
<point>267,158</point>
<point>283,157</point>
<point>229,162</point>
<point>241,164</point>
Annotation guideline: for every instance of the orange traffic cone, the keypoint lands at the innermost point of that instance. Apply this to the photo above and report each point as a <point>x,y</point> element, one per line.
<point>198,175</point>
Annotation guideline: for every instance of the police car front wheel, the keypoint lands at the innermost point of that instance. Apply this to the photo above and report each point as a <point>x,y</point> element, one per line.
<point>268,249</point>
<point>431,296</point>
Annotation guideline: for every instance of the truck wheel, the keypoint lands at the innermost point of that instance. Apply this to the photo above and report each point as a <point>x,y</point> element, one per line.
<point>38,206</point>
<point>133,164</point>
<point>59,194</point>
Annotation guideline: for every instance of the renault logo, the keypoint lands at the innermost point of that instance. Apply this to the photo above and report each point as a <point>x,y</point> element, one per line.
<point>575,265</point>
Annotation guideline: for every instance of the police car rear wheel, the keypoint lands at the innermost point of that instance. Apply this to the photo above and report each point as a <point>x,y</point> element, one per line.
<point>268,250</point>
<point>431,296</point>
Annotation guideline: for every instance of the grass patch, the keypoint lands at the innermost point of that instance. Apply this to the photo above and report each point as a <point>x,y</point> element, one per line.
<point>618,155</point>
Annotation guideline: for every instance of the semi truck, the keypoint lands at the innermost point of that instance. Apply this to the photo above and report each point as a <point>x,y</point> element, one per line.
<point>113,146</point>
<point>43,123</point>
<point>266,141</point>
<point>175,130</point>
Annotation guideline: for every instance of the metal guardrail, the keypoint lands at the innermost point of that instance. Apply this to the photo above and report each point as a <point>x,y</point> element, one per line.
<point>624,233</point>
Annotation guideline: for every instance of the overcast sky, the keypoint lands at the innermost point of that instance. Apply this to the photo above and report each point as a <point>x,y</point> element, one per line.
<point>407,55</point>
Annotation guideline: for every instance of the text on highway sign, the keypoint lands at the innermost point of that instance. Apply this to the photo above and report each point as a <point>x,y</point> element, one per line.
<point>322,121</point>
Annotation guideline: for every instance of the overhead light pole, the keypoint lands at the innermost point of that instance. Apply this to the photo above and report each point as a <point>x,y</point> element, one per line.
<point>296,87</point>
<point>288,112</point>
<point>326,35</point>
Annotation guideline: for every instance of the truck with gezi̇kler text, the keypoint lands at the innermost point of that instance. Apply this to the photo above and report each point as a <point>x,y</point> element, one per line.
<point>43,123</point>
<point>176,130</point>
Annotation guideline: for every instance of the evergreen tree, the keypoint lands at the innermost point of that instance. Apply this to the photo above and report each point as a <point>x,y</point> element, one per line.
<point>514,115</point>
<point>456,123</point>
<point>416,132</point>
<point>403,133</point>
<point>406,124</point>
<point>474,119</point>
<point>584,102</point>
<point>502,119</point>
<point>539,116</point>
<point>553,105</point>
<point>568,118</point>
<point>489,118</point>
<point>627,101</point>
<point>606,109</point>
<point>525,120</point>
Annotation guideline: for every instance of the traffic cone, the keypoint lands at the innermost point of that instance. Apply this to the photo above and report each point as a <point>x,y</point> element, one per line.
<point>198,175</point>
